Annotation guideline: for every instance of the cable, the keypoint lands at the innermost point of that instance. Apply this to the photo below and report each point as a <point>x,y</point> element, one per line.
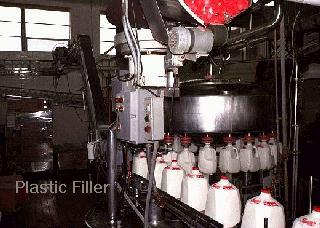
<point>149,90</point>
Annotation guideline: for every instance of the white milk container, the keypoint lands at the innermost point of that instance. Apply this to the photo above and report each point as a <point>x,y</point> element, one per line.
<point>311,220</point>
<point>194,190</point>
<point>207,160</point>
<point>249,158</point>
<point>264,151</point>
<point>223,203</point>
<point>261,210</point>
<point>160,166</point>
<point>140,165</point>
<point>172,177</point>
<point>229,160</point>
<point>186,158</point>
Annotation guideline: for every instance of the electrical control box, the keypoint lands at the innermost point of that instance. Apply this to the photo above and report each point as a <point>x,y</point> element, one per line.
<point>140,114</point>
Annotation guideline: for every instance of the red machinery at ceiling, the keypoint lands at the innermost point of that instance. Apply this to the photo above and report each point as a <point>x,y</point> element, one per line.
<point>214,12</point>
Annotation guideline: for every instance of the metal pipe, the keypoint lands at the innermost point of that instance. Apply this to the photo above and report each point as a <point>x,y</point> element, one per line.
<point>295,145</point>
<point>257,6</point>
<point>151,165</point>
<point>250,43</point>
<point>310,2</point>
<point>110,144</point>
<point>284,107</point>
<point>258,31</point>
<point>276,87</point>
<point>310,193</point>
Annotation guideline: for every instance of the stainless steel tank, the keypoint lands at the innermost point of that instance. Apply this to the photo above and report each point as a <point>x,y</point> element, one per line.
<point>219,107</point>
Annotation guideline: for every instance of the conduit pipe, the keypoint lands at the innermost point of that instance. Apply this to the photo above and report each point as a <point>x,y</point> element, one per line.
<point>257,31</point>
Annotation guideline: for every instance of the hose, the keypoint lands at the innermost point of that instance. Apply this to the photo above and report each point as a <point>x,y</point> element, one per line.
<point>128,36</point>
<point>132,42</point>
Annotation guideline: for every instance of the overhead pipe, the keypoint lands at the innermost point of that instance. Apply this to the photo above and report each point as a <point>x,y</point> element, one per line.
<point>257,6</point>
<point>258,31</point>
<point>310,2</point>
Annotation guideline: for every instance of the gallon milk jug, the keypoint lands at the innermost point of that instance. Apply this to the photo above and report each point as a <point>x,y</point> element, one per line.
<point>160,166</point>
<point>171,179</point>
<point>239,144</point>
<point>275,147</point>
<point>229,161</point>
<point>171,154</point>
<point>186,158</point>
<point>264,151</point>
<point>263,211</point>
<point>207,161</point>
<point>140,165</point>
<point>223,203</point>
<point>309,221</point>
<point>249,158</point>
<point>194,190</point>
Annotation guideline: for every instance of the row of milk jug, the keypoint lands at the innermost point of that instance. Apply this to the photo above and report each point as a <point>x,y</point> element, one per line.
<point>220,201</point>
<point>249,158</point>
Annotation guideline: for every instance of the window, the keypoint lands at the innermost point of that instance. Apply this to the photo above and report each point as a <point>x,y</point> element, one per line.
<point>10,28</point>
<point>46,29</point>
<point>107,33</point>
<point>33,29</point>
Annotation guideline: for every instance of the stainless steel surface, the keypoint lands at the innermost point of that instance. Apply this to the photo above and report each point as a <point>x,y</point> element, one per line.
<point>220,113</point>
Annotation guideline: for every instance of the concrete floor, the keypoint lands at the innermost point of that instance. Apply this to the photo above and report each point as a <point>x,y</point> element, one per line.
<point>53,210</point>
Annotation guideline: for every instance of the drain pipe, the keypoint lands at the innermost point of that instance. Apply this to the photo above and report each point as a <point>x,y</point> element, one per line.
<point>257,31</point>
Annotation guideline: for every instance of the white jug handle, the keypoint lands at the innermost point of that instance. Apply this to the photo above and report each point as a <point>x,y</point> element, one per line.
<point>237,152</point>
<point>254,149</point>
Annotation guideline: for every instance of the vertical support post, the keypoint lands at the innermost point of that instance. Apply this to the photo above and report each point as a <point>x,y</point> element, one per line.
<point>276,86</point>
<point>310,193</point>
<point>284,107</point>
<point>295,165</point>
<point>24,40</point>
<point>111,176</point>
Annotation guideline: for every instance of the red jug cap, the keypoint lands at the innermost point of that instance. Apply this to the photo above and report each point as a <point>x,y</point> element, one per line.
<point>229,139</point>
<point>224,178</point>
<point>207,139</point>
<point>168,138</point>
<point>316,208</point>
<point>195,168</point>
<point>264,137</point>
<point>185,140</point>
<point>248,138</point>
<point>266,190</point>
